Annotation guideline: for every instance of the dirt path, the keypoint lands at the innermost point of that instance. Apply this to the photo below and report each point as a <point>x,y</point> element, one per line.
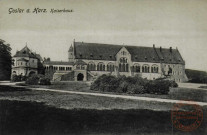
<point>192,85</point>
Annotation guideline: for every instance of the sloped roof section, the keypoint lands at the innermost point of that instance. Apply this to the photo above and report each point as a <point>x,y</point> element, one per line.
<point>39,57</point>
<point>96,51</point>
<point>22,59</point>
<point>143,54</point>
<point>80,62</point>
<point>167,56</point>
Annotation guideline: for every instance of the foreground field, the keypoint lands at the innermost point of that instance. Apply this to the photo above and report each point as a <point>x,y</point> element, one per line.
<point>25,112</point>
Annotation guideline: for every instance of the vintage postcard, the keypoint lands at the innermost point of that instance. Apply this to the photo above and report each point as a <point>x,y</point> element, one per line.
<point>103,67</point>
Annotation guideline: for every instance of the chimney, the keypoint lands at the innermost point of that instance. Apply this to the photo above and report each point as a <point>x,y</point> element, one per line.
<point>160,48</point>
<point>153,45</point>
<point>170,49</point>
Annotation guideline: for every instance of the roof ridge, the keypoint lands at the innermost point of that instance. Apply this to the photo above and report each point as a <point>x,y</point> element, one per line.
<point>125,45</point>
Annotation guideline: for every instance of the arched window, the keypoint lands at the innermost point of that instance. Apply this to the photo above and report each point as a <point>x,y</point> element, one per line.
<point>145,68</point>
<point>123,66</point>
<point>136,68</point>
<point>154,68</point>
<point>101,66</point>
<point>110,67</point>
<point>91,66</point>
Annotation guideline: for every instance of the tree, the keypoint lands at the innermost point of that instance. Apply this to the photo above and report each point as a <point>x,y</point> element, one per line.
<point>5,61</point>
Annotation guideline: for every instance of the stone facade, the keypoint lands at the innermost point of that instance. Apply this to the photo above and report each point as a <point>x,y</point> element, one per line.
<point>92,59</point>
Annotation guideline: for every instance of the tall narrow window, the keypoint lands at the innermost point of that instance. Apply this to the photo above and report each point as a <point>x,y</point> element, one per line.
<point>101,66</point>
<point>110,67</point>
<point>123,66</point>
<point>145,68</point>
<point>136,68</point>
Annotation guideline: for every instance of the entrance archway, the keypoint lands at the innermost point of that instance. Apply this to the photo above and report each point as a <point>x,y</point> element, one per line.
<point>80,77</point>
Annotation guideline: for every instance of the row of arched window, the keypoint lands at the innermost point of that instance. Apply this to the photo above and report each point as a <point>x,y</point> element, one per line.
<point>123,67</point>
<point>145,68</point>
<point>57,68</point>
<point>100,67</point>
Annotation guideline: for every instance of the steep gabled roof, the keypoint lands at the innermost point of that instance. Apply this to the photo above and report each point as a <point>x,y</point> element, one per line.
<point>25,52</point>
<point>96,51</point>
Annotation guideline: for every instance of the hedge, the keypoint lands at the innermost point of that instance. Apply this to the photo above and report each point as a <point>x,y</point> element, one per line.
<point>132,85</point>
<point>38,79</point>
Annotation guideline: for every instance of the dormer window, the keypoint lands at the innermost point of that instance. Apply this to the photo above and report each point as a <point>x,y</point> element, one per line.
<point>100,56</point>
<point>136,57</point>
<point>153,58</point>
<point>80,55</point>
<point>91,55</point>
<point>110,56</point>
<point>145,58</point>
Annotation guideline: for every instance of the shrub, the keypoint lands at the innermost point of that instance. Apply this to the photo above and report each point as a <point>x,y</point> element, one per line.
<point>122,87</point>
<point>135,89</point>
<point>158,87</point>
<point>173,84</point>
<point>16,78</point>
<point>33,80</point>
<point>44,81</point>
<point>24,78</point>
<point>131,85</point>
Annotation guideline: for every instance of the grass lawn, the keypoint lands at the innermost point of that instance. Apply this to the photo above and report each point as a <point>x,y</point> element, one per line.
<point>71,101</point>
<point>25,112</point>
<point>175,93</point>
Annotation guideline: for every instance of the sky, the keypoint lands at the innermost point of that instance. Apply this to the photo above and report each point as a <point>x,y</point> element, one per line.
<point>166,23</point>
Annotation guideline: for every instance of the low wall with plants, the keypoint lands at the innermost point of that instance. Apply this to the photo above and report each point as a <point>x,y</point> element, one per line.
<point>132,85</point>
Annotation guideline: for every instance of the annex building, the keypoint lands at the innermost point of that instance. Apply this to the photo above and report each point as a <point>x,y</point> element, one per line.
<point>25,62</point>
<point>87,61</point>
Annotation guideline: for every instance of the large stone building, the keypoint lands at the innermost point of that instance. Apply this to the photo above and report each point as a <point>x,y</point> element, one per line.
<point>87,61</point>
<point>26,62</point>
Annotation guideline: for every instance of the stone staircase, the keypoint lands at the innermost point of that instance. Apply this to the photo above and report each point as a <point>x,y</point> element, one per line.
<point>63,76</point>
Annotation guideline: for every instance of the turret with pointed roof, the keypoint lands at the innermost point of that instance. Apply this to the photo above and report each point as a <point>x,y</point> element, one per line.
<point>71,54</point>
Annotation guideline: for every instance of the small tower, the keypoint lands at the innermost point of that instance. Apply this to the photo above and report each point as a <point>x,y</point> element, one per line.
<point>71,54</point>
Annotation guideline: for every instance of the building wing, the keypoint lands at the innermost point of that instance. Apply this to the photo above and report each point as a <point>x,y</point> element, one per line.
<point>96,51</point>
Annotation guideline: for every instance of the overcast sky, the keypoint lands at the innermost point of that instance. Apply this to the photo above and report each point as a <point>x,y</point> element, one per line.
<point>176,23</point>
